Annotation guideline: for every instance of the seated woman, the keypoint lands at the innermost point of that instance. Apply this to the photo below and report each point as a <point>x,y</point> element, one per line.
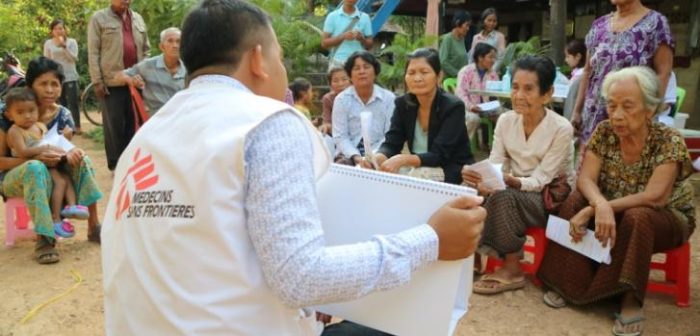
<point>338,81</point>
<point>474,77</point>
<point>534,144</point>
<point>633,191</point>
<point>30,179</point>
<point>362,95</point>
<point>303,93</point>
<point>430,120</point>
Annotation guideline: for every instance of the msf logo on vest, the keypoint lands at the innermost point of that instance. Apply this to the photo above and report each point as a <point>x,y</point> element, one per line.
<point>139,177</point>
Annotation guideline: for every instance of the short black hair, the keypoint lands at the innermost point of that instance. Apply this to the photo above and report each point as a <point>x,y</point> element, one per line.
<point>55,23</point>
<point>40,66</point>
<point>431,56</point>
<point>576,46</point>
<point>219,32</point>
<point>19,94</point>
<point>460,18</point>
<point>299,86</point>
<point>542,66</point>
<point>481,49</point>
<point>365,56</point>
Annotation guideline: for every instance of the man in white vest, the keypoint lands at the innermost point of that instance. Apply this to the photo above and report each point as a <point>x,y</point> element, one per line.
<point>212,226</point>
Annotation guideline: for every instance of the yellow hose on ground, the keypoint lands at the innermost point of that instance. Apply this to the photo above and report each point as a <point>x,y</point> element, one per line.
<point>78,280</point>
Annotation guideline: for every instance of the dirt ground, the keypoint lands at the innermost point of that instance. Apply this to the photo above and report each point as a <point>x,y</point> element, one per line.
<point>24,284</point>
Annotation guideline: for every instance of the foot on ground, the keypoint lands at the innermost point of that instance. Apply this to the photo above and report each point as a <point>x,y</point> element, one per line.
<point>553,299</point>
<point>630,321</point>
<point>45,251</point>
<point>498,282</point>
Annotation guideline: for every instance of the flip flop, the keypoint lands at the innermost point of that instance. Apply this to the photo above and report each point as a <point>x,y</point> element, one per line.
<point>553,299</point>
<point>623,322</point>
<point>94,236</point>
<point>502,285</point>
<point>45,252</point>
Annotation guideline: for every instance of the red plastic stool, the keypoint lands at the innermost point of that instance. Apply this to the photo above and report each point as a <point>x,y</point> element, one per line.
<point>537,249</point>
<point>677,274</point>
<point>16,220</point>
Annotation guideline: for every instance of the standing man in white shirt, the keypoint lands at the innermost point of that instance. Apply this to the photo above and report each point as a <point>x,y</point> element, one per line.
<point>213,228</point>
<point>345,31</point>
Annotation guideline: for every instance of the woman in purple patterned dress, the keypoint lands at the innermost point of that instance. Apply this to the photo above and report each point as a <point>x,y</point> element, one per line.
<point>631,35</point>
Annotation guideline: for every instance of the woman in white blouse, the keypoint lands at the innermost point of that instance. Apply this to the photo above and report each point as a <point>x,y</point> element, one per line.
<point>534,146</point>
<point>64,51</point>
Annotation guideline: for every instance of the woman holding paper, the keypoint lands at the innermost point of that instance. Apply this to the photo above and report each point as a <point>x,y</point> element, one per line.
<point>429,120</point>
<point>362,95</point>
<point>30,180</point>
<point>474,77</point>
<point>633,192</point>
<point>534,145</point>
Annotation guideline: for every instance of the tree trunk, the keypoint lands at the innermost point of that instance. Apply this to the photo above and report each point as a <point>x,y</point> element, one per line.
<point>557,19</point>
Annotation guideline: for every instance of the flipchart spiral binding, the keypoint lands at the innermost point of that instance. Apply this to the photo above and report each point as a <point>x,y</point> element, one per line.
<point>401,180</point>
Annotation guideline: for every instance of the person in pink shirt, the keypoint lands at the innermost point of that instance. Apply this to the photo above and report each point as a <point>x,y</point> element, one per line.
<point>474,77</point>
<point>575,57</point>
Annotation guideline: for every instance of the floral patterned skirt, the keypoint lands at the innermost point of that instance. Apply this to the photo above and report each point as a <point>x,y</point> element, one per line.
<point>32,181</point>
<point>641,232</point>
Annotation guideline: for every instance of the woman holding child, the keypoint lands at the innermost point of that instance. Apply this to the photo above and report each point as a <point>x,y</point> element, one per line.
<point>534,145</point>
<point>633,192</point>
<point>30,179</point>
<point>430,121</point>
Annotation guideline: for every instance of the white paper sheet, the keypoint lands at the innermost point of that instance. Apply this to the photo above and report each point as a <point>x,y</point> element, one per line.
<point>382,203</point>
<point>53,138</point>
<point>491,174</point>
<point>558,231</point>
<point>365,125</point>
<point>490,106</point>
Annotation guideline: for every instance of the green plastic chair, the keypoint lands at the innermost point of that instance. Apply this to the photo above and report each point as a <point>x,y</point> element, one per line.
<point>450,84</point>
<point>680,97</point>
<point>489,125</point>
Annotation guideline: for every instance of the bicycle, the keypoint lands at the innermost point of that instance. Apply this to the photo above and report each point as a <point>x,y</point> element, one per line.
<point>91,105</point>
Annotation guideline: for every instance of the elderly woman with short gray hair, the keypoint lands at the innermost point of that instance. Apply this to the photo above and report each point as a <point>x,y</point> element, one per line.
<point>633,192</point>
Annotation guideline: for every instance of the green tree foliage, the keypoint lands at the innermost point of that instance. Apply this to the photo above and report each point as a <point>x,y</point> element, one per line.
<point>395,58</point>
<point>297,31</point>
<point>517,50</point>
<point>162,14</point>
<point>25,26</point>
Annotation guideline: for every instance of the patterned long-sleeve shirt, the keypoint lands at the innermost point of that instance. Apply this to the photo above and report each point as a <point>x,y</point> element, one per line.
<point>285,227</point>
<point>469,79</point>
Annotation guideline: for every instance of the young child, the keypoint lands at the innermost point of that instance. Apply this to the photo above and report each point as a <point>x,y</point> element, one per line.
<point>25,141</point>
<point>303,95</point>
<point>575,57</point>
<point>338,80</point>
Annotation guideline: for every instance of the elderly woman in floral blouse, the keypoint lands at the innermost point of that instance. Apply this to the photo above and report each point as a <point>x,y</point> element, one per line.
<point>633,192</point>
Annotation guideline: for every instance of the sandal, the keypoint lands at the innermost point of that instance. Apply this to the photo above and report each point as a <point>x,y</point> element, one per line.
<point>64,229</point>
<point>75,211</point>
<point>94,236</point>
<point>553,299</point>
<point>621,324</point>
<point>45,251</point>
<point>494,284</point>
